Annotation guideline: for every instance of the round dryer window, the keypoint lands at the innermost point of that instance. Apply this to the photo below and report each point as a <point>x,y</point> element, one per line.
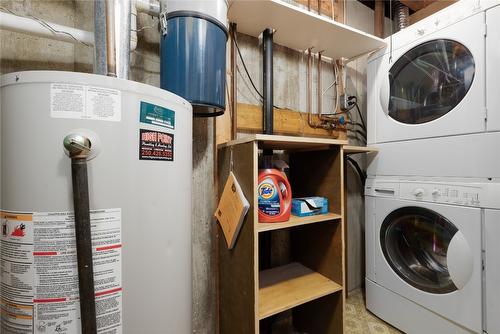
<point>429,80</point>
<point>415,243</point>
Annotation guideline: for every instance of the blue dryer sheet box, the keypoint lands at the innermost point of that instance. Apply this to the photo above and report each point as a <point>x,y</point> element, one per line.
<point>309,206</point>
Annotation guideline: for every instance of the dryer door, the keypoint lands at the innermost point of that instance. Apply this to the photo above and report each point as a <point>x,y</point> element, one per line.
<point>434,86</point>
<point>431,254</point>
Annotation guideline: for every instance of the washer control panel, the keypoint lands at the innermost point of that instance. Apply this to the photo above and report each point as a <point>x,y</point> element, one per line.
<point>442,193</point>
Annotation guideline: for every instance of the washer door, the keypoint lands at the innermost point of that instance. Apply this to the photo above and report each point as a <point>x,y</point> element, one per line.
<point>430,254</point>
<point>426,250</point>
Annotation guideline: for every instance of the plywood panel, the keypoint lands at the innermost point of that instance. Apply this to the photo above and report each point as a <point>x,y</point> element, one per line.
<point>286,122</point>
<point>430,9</point>
<point>237,272</point>
<point>325,5</point>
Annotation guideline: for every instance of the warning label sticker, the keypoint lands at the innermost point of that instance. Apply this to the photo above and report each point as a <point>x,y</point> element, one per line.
<point>85,102</point>
<point>17,272</point>
<point>155,145</point>
<point>50,278</point>
<point>156,115</point>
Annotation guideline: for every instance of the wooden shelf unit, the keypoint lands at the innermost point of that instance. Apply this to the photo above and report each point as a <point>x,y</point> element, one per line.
<point>307,282</point>
<point>300,29</point>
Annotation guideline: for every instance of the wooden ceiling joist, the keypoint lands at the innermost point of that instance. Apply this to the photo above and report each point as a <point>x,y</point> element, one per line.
<point>417,4</point>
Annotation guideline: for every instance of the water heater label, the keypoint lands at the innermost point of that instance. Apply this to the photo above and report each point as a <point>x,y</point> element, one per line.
<point>41,268</point>
<point>156,115</point>
<point>85,102</point>
<point>17,265</point>
<point>155,145</point>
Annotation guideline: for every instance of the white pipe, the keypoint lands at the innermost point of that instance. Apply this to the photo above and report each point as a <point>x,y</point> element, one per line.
<point>26,25</point>
<point>133,28</point>
<point>32,27</point>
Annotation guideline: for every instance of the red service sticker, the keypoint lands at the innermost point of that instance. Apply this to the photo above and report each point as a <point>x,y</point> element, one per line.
<point>155,145</point>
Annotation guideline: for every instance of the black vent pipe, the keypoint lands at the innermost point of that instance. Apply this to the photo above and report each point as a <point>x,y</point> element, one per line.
<point>267,44</point>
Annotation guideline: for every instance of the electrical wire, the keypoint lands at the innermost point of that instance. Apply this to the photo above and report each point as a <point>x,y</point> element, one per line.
<point>355,105</point>
<point>151,26</point>
<point>247,72</point>
<point>44,24</point>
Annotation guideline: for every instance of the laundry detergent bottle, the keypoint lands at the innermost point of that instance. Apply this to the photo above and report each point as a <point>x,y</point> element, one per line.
<point>275,196</point>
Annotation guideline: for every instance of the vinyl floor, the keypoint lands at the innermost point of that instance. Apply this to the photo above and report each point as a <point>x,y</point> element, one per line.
<point>359,320</point>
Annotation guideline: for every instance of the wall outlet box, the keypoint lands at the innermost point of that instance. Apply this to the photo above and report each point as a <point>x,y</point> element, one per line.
<point>309,206</point>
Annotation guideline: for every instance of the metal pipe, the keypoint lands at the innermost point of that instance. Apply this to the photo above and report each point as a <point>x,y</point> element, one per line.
<point>402,15</point>
<point>309,89</point>
<point>320,95</point>
<point>46,29</point>
<point>268,102</point>
<point>100,62</point>
<point>122,37</point>
<point>78,149</point>
<point>110,39</point>
<point>113,39</point>
<point>150,7</point>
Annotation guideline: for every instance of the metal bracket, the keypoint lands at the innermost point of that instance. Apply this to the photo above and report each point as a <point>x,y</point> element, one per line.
<point>163,22</point>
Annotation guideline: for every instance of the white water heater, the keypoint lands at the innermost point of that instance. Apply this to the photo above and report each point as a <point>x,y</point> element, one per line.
<point>139,178</point>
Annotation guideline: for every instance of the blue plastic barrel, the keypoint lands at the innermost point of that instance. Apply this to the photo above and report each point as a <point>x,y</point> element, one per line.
<point>193,63</point>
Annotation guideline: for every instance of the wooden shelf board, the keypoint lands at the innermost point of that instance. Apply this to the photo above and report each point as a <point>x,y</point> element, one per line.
<point>299,29</point>
<point>297,221</point>
<point>349,149</point>
<point>287,142</point>
<point>285,287</point>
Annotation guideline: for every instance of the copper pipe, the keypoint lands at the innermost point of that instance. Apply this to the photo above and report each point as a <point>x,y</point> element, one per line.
<point>110,38</point>
<point>309,89</point>
<point>319,7</point>
<point>320,95</point>
<point>340,78</point>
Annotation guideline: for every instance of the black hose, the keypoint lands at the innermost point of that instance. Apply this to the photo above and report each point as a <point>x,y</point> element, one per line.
<point>360,172</point>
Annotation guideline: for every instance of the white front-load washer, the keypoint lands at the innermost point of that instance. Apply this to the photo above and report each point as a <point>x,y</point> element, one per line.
<point>424,264</point>
<point>492,270</point>
<point>434,109</point>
